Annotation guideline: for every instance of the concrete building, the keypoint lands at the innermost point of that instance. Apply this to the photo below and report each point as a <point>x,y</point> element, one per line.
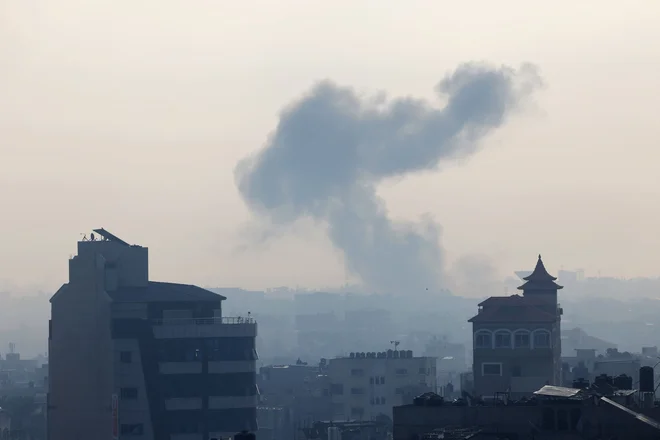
<point>573,417</point>
<point>136,358</point>
<point>292,397</point>
<point>517,343</point>
<point>365,386</point>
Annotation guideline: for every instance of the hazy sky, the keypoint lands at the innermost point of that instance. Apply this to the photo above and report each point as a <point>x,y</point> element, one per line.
<point>132,114</point>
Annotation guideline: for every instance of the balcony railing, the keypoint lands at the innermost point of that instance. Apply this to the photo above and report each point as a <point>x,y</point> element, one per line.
<point>225,320</point>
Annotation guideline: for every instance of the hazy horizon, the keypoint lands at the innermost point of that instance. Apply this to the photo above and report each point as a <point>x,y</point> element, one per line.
<point>133,117</point>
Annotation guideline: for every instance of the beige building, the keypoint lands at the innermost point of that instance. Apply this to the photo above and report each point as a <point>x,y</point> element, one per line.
<point>364,386</point>
<point>134,358</point>
<point>517,339</point>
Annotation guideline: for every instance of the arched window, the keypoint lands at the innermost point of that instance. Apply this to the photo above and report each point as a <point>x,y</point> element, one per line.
<point>541,339</point>
<point>483,339</point>
<point>502,339</point>
<point>522,339</point>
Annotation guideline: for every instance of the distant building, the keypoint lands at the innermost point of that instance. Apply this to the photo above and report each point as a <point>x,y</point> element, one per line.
<point>615,367</point>
<point>292,397</point>
<point>577,339</point>
<point>365,386</point>
<point>517,344</point>
<point>136,358</point>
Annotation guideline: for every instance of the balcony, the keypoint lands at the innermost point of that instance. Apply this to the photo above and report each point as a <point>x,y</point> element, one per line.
<point>228,402</point>
<point>204,327</point>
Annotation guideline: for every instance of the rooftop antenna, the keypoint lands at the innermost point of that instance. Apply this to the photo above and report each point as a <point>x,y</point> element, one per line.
<point>395,343</point>
<point>107,236</point>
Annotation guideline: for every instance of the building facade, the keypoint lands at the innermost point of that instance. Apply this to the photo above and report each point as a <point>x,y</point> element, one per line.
<point>147,360</point>
<point>365,386</point>
<point>517,339</point>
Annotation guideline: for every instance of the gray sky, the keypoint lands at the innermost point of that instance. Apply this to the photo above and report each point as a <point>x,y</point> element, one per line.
<point>132,114</point>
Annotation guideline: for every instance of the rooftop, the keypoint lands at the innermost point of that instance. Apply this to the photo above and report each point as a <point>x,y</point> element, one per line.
<point>539,280</point>
<point>167,292</point>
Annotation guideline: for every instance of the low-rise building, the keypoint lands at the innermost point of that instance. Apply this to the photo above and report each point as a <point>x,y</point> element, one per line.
<point>553,413</point>
<point>364,386</point>
<point>292,397</point>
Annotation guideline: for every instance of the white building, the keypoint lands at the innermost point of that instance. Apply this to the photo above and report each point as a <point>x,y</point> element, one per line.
<point>366,385</point>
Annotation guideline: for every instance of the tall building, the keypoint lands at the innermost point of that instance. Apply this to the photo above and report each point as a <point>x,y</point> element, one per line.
<point>365,386</point>
<point>136,358</point>
<point>517,339</point>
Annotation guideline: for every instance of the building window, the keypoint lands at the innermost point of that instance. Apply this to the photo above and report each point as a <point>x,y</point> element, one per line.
<point>541,339</point>
<point>177,314</point>
<point>357,411</point>
<point>132,429</point>
<point>548,419</point>
<point>382,380</point>
<point>398,391</point>
<point>357,372</point>
<point>128,393</point>
<point>483,339</point>
<point>562,420</point>
<point>382,401</point>
<point>357,390</point>
<point>521,339</point>
<point>371,380</point>
<point>401,371</point>
<point>126,357</point>
<point>491,369</point>
<point>502,339</point>
<point>337,389</point>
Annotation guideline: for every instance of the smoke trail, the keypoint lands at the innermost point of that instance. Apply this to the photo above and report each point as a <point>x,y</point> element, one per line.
<point>331,148</point>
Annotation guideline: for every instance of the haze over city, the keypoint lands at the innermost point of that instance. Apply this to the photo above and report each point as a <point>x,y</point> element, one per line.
<point>139,127</point>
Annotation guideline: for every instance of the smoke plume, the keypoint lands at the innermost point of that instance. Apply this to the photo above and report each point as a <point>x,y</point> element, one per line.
<point>332,147</point>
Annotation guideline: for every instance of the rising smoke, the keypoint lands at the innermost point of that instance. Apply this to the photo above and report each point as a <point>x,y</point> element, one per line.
<point>331,149</point>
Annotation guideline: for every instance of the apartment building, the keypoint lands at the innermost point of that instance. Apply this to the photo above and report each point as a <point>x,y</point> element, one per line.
<point>364,386</point>
<point>134,358</point>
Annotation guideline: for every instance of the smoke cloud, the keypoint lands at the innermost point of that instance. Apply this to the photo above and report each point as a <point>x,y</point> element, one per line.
<point>332,147</point>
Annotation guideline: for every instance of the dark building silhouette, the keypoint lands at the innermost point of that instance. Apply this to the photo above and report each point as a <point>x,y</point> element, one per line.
<point>150,360</point>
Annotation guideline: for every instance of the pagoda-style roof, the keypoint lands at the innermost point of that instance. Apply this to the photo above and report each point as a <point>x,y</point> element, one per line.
<point>540,280</point>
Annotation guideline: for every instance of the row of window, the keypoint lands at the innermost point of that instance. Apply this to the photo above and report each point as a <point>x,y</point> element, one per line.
<point>223,420</point>
<point>337,389</point>
<point>399,371</point>
<point>491,369</point>
<point>178,350</point>
<point>509,339</point>
<point>212,349</point>
<point>378,401</point>
<point>495,369</point>
<point>195,385</point>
